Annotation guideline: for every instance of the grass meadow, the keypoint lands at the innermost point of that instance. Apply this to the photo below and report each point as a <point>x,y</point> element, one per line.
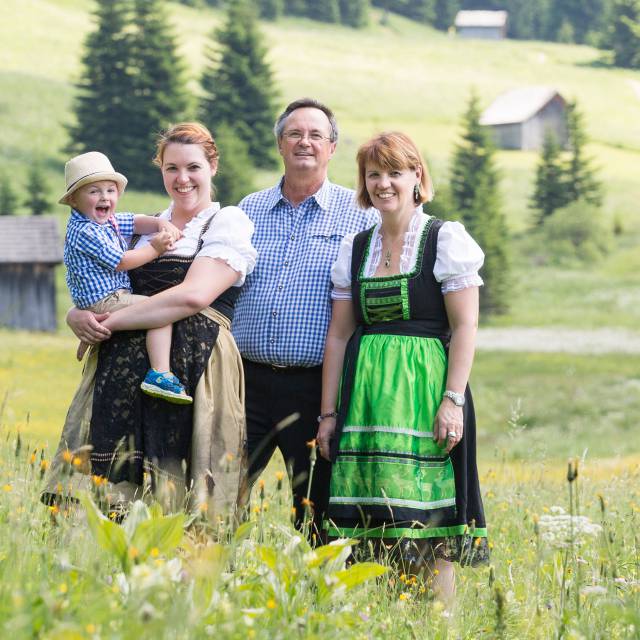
<point>566,559</point>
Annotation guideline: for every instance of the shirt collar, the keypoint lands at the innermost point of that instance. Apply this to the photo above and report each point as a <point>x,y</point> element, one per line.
<point>322,196</point>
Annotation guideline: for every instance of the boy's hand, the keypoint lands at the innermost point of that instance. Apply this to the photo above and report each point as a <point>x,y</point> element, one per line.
<point>171,229</point>
<point>161,241</point>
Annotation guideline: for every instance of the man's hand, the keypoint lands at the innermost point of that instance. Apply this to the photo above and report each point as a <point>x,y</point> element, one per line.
<point>86,325</point>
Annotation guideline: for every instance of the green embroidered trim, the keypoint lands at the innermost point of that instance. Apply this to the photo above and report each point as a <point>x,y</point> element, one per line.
<point>404,294</point>
<point>403,532</point>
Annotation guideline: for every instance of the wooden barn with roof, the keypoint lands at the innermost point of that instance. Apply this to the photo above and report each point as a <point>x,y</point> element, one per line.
<point>30,249</point>
<point>520,118</point>
<point>486,25</point>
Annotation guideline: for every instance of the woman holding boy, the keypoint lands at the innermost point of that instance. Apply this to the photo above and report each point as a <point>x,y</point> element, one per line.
<point>115,432</point>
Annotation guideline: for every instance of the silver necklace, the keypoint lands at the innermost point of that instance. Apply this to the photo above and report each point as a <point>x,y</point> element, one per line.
<point>387,259</point>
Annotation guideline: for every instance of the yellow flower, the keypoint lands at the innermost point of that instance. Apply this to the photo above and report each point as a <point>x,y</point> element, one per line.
<point>44,465</point>
<point>54,509</point>
<point>403,596</point>
<point>155,552</point>
<point>7,488</point>
<point>279,476</point>
<point>261,484</point>
<point>229,457</point>
<point>133,553</point>
<point>63,588</point>
<point>271,603</point>
<point>436,572</point>
<point>67,456</point>
<point>77,461</point>
<point>32,458</point>
<point>203,507</point>
<point>307,503</point>
<point>90,628</point>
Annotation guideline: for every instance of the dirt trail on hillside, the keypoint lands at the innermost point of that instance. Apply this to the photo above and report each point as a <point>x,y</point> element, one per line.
<point>552,340</point>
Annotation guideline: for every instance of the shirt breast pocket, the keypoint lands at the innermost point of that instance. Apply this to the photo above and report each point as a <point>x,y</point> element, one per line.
<point>323,251</point>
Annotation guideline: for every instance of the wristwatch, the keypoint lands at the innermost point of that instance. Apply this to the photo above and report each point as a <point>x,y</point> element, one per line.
<point>456,398</point>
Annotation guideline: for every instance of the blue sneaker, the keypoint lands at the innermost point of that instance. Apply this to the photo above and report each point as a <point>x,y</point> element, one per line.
<point>166,386</point>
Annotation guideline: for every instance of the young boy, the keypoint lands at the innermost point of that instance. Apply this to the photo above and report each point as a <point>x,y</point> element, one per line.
<point>97,258</point>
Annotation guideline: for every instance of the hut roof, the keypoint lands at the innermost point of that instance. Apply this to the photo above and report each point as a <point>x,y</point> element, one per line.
<point>29,239</point>
<point>518,105</point>
<point>481,19</point>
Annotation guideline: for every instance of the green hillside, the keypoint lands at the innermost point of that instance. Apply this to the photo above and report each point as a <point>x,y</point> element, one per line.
<point>401,75</point>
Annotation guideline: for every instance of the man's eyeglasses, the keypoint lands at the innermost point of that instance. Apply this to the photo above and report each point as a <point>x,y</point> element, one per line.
<point>296,136</point>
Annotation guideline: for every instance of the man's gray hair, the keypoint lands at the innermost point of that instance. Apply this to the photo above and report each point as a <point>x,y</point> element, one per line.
<point>306,103</point>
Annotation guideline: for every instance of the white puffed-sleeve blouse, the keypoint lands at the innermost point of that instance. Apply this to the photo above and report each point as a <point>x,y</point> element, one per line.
<point>227,238</point>
<point>458,257</point>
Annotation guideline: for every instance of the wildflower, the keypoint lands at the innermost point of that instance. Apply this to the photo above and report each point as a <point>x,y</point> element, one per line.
<point>256,509</point>
<point>7,488</point>
<point>77,461</point>
<point>203,507</point>
<point>133,553</point>
<point>155,552</point>
<point>44,465</point>
<point>403,596</point>
<point>112,515</point>
<point>436,572</point>
<point>63,588</point>
<point>90,628</point>
<point>279,475</point>
<point>229,457</point>
<point>67,456</point>
<point>32,458</point>
<point>307,503</point>
<point>476,542</point>
<point>271,603</point>
<point>54,509</point>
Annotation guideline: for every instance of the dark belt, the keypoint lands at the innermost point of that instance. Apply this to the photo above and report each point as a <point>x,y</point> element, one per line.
<point>281,368</point>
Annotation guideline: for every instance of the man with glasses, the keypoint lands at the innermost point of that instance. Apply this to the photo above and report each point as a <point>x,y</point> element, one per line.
<point>283,312</point>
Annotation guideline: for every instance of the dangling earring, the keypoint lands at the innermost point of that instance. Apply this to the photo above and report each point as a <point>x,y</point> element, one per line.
<point>416,193</point>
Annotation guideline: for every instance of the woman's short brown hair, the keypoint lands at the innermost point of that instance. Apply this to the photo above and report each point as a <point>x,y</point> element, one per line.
<point>187,133</point>
<point>392,150</point>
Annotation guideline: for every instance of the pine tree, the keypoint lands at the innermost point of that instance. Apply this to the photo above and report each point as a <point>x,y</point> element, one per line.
<point>354,13</point>
<point>234,178</point>
<point>270,9</point>
<point>624,33</point>
<point>8,197</point>
<point>158,95</point>
<point>295,7</point>
<point>445,13</point>
<point>324,10</point>
<point>238,84</point>
<point>38,199</point>
<point>105,85</point>
<point>581,180</point>
<point>550,191</point>
<point>474,196</point>
<point>132,87</point>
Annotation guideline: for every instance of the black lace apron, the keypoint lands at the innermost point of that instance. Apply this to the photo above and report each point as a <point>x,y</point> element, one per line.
<point>131,432</point>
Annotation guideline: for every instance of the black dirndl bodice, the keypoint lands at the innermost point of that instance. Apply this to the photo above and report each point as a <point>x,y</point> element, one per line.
<point>131,432</point>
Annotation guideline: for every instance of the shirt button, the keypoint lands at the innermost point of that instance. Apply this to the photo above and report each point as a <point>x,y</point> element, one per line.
<point>272,340</point>
<point>274,313</point>
<point>280,287</point>
<point>292,237</point>
<point>286,263</point>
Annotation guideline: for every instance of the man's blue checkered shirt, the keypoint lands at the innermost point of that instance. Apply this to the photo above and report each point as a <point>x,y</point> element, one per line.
<point>283,311</point>
<point>92,252</point>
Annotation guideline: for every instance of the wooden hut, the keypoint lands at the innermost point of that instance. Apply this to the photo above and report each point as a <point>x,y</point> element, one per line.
<point>520,119</point>
<point>30,248</point>
<point>486,25</point>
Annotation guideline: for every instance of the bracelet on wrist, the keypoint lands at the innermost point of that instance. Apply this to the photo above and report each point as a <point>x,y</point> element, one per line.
<point>329,414</point>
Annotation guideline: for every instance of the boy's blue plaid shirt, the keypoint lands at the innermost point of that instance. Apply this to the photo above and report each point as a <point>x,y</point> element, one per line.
<point>92,252</point>
<point>284,309</point>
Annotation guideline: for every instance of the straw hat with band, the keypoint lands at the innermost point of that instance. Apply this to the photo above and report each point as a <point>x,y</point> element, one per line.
<point>86,168</point>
